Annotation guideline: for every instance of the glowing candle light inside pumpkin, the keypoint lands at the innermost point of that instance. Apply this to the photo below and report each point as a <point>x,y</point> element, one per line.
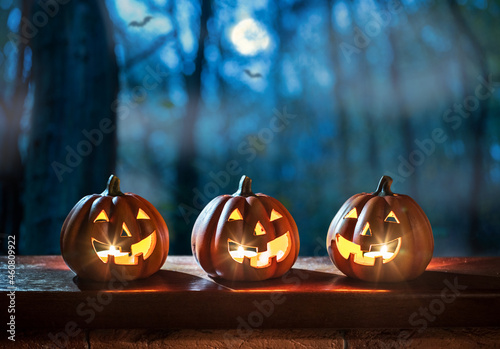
<point>241,253</point>
<point>112,251</point>
<point>382,253</point>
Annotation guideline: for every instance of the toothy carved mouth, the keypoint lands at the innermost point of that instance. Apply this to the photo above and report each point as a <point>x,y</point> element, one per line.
<point>387,251</point>
<point>145,247</point>
<point>279,248</point>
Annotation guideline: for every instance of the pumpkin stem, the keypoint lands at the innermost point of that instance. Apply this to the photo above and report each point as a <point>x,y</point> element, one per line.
<point>245,188</point>
<point>384,187</point>
<point>113,187</point>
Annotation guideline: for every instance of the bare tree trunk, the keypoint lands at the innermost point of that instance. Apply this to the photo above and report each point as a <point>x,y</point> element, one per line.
<point>343,122</point>
<point>402,112</point>
<point>478,240</point>
<point>72,141</point>
<point>187,175</point>
<point>11,168</point>
<point>367,110</point>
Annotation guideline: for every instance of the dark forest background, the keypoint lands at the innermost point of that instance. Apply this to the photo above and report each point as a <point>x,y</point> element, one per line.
<point>314,100</point>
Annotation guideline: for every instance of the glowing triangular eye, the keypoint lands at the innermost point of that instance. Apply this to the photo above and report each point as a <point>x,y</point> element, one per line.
<point>125,232</point>
<point>235,215</point>
<point>366,230</point>
<point>391,217</point>
<point>102,217</point>
<point>352,214</point>
<point>259,229</point>
<point>275,215</point>
<point>142,215</point>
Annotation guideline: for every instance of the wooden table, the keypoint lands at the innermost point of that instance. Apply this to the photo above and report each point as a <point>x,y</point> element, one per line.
<point>453,292</point>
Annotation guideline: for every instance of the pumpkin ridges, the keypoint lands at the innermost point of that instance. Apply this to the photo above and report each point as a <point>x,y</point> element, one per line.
<point>155,217</point>
<point>213,238</point>
<point>424,240</point>
<point>247,206</point>
<point>74,219</point>
<point>414,229</point>
<point>396,269</point>
<point>201,241</point>
<point>74,209</point>
<point>271,203</point>
<point>357,200</point>
<point>101,203</point>
<point>257,205</point>
<point>213,225</point>
<point>378,207</point>
<point>79,230</point>
<point>127,206</point>
<point>158,222</point>
<point>219,238</point>
<point>71,236</point>
<point>259,212</point>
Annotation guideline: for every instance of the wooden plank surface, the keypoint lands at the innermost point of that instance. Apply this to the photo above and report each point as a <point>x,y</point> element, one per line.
<point>453,292</point>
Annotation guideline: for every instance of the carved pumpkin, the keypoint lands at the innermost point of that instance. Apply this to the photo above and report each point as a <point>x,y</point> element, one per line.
<point>245,236</point>
<point>381,236</point>
<point>114,235</point>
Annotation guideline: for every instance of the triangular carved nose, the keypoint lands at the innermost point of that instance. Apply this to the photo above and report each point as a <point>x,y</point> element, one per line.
<point>259,229</point>
<point>125,232</point>
<point>366,230</point>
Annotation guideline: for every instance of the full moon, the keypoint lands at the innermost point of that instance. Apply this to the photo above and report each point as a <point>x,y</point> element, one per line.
<point>249,37</point>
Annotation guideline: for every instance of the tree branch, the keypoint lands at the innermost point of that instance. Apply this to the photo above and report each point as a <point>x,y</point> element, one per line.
<point>149,51</point>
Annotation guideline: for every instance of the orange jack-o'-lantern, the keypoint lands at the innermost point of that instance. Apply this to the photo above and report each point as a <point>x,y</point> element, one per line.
<point>114,235</point>
<point>245,236</point>
<point>381,236</point>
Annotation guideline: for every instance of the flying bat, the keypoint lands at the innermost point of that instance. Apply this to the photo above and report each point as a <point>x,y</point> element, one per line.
<point>253,75</point>
<point>141,23</point>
